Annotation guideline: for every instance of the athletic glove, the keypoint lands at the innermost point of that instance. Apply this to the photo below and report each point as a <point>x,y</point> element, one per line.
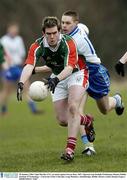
<point>19,91</point>
<point>52,82</point>
<point>119,67</point>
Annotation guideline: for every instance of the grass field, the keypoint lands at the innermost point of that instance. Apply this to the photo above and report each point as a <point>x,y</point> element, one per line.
<point>31,143</point>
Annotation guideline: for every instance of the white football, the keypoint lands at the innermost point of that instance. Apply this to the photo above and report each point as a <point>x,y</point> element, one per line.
<point>38,91</point>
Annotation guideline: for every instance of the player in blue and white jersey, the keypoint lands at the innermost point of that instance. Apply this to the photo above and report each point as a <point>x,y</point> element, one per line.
<point>99,81</point>
<point>15,53</point>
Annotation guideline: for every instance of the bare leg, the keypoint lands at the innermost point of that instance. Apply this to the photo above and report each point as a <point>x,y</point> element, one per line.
<point>89,147</point>
<point>81,110</point>
<point>75,96</point>
<point>106,104</point>
<point>61,109</point>
<point>8,88</point>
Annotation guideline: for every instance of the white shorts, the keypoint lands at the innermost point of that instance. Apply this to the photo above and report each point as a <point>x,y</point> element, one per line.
<point>79,78</point>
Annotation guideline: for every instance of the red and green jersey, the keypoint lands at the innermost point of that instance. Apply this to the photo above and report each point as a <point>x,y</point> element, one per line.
<point>64,55</point>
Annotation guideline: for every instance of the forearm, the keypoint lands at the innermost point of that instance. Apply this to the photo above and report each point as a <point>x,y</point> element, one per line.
<point>42,69</point>
<point>124,58</point>
<point>26,73</point>
<point>65,73</point>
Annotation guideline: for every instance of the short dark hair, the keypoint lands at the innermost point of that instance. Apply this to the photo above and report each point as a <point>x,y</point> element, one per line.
<point>73,14</point>
<point>49,22</point>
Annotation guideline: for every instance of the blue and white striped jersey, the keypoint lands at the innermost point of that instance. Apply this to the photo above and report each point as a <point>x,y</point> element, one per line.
<point>84,45</point>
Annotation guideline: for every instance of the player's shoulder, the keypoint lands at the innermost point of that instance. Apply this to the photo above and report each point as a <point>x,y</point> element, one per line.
<point>39,40</point>
<point>67,37</point>
<point>37,44</point>
<point>4,38</point>
<point>83,27</point>
<point>69,42</point>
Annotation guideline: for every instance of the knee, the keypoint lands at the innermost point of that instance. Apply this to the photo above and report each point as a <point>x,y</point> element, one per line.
<point>62,121</point>
<point>72,109</point>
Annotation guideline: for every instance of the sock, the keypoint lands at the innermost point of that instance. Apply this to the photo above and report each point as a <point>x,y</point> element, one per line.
<point>84,139</point>
<point>32,106</point>
<point>118,100</point>
<point>71,143</point>
<point>86,142</point>
<point>86,119</point>
<point>3,109</point>
<point>83,120</point>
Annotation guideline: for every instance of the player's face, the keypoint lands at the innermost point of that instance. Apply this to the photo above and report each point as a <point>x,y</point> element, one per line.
<point>13,30</point>
<point>68,24</point>
<point>52,35</point>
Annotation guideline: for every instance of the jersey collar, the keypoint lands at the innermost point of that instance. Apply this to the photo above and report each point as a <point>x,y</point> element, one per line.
<point>74,31</point>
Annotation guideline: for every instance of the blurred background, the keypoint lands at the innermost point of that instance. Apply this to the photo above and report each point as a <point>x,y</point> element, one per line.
<point>106,21</point>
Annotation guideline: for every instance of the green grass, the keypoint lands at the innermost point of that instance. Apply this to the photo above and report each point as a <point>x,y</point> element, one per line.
<point>31,143</point>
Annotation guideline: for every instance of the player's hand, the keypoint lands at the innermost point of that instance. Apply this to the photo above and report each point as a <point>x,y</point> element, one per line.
<point>51,83</point>
<point>119,67</point>
<point>19,91</point>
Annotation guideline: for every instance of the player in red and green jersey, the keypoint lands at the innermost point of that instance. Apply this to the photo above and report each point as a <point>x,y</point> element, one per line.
<point>56,59</point>
<point>69,79</point>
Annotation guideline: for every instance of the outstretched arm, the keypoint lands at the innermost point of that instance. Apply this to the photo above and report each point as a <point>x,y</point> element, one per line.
<point>123,59</point>
<point>41,69</point>
<point>26,73</point>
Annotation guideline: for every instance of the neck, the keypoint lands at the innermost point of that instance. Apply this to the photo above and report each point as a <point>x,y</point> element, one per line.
<point>74,29</point>
<point>53,46</point>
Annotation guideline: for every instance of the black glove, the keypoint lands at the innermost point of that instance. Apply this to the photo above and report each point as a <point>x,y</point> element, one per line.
<point>52,82</point>
<point>19,91</point>
<point>119,67</point>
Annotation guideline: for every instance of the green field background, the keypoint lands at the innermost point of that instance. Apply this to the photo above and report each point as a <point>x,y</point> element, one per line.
<point>34,143</point>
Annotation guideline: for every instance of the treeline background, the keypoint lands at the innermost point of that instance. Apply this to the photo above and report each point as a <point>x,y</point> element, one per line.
<point>106,19</point>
